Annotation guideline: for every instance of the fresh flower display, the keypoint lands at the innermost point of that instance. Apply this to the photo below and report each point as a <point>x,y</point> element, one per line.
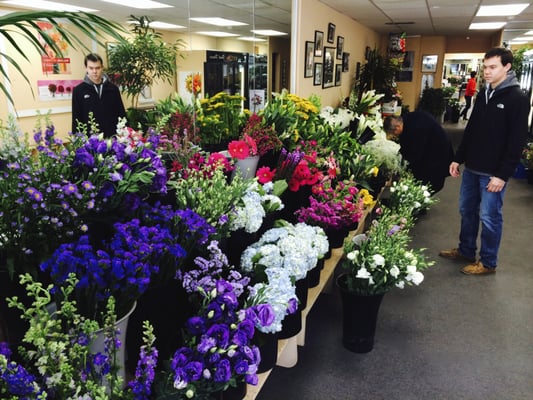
<point>333,206</point>
<point>179,135</point>
<point>294,249</point>
<point>220,118</point>
<point>198,162</point>
<point>193,84</point>
<point>368,199</point>
<point>408,195</point>
<point>338,118</point>
<point>212,197</point>
<point>241,149</point>
<point>121,267</point>
<point>380,259</point>
<point>257,201</point>
<point>368,103</point>
<point>264,136</point>
<point>218,352</point>
<point>49,197</point>
<point>57,360</point>
<point>386,154</point>
<point>294,118</point>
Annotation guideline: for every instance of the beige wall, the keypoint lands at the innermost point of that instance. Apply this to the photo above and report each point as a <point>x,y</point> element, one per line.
<point>314,15</point>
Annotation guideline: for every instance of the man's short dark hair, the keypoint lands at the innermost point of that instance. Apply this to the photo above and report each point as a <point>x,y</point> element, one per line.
<point>505,55</point>
<point>390,122</point>
<point>93,57</point>
<point>473,74</point>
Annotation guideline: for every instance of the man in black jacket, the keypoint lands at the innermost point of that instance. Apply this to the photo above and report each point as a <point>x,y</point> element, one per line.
<point>97,95</point>
<point>490,149</point>
<point>424,144</point>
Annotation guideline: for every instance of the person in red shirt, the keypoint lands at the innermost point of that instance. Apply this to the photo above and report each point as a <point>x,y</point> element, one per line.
<point>471,89</point>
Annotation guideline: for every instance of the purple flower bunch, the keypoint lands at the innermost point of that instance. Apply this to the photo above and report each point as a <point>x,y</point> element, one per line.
<point>120,267</point>
<point>287,163</point>
<point>15,379</point>
<point>50,194</point>
<point>218,350</point>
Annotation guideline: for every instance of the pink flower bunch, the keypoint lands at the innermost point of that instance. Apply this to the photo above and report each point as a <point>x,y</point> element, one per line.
<point>240,149</point>
<point>333,205</point>
<point>207,163</point>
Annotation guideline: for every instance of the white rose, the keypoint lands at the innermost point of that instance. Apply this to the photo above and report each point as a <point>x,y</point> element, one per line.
<point>394,271</point>
<point>400,284</point>
<point>378,259</point>
<point>351,255</point>
<point>411,269</point>
<point>363,273</point>
<point>417,278</point>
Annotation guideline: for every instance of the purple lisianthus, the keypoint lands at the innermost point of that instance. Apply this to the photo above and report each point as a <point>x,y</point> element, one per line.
<point>222,371</point>
<point>293,306</point>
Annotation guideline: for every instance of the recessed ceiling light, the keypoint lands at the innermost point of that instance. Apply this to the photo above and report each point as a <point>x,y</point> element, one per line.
<point>487,25</point>
<point>148,4</point>
<point>216,33</point>
<point>161,25</point>
<point>268,32</point>
<point>501,10</point>
<point>48,5</point>
<point>219,21</point>
<point>251,39</point>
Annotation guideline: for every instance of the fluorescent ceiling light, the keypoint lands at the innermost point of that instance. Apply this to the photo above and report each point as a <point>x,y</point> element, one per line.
<point>252,39</point>
<point>161,25</point>
<point>487,25</point>
<point>147,4</point>
<point>268,32</point>
<point>218,21</point>
<point>529,33</point>
<point>216,33</point>
<point>48,5</point>
<point>501,10</point>
<point>522,39</point>
<point>513,42</point>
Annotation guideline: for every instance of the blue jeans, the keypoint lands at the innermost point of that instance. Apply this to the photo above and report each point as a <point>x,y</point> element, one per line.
<point>477,204</point>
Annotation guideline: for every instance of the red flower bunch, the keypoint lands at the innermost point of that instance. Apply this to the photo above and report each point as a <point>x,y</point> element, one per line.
<point>240,149</point>
<point>179,133</point>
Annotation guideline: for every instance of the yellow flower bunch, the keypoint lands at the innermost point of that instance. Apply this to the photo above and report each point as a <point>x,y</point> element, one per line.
<point>368,199</point>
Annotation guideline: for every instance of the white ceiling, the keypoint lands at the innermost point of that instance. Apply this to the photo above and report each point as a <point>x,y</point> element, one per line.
<point>415,17</point>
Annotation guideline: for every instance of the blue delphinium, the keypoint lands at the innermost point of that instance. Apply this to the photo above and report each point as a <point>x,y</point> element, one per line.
<point>15,380</point>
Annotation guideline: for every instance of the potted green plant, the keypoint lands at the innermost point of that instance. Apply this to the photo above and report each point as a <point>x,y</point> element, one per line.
<point>453,110</point>
<point>136,64</point>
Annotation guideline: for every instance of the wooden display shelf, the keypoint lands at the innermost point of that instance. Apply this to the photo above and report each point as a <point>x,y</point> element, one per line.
<point>287,346</point>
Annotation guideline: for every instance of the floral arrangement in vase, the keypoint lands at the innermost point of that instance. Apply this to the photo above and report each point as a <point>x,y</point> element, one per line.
<point>57,359</point>
<point>121,266</point>
<point>281,256</point>
<point>408,195</point>
<point>243,148</point>
<point>333,205</point>
<point>527,156</point>
<point>264,136</point>
<point>53,193</point>
<point>380,259</point>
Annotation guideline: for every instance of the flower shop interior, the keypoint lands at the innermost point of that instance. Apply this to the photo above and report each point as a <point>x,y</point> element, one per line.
<point>251,231</point>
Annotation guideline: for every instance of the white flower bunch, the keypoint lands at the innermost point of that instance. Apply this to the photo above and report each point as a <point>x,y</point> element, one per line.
<point>409,195</point>
<point>380,259</point>
<point>368,104</point>
<point>386,153</point>
<point>337,118</point>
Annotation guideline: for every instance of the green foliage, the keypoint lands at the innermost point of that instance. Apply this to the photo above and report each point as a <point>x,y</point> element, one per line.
<point>518,60</point>
<point>378,73</point>
<point>135,65</point>
<point>433,102</point>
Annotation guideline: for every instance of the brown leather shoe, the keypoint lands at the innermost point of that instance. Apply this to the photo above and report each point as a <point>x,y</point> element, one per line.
<point>455,254</point>
<point>477,268</point>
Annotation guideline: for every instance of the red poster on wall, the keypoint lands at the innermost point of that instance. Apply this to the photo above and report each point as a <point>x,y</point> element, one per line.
<point>51,63</point>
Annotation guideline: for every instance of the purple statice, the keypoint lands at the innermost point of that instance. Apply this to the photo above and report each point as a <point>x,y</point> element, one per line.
<point>121,267</point>
<point>208,272</point>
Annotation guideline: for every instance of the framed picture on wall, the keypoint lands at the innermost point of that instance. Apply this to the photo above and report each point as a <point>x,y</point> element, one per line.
<point>319,43</point>
<point>318,74</point>
<point>340,47</point>
<point>345,62</point>
<point>338,74</point>
<point>309,59</point>
<point>331,33</point>
<point>429,63</point>
<point>328,67</point>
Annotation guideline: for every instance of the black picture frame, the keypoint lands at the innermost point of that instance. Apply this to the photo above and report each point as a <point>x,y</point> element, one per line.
<point>317,80</point>
<point>357,70</point>
<point>367,53</point>
<point>331,33</point>
<point>338,74</point>
<point>345,62</point>
<point>309,68</point>
<point>340,47</point>
<point>328,75</point>
<point>429,63</point>
<point>319,43</point>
